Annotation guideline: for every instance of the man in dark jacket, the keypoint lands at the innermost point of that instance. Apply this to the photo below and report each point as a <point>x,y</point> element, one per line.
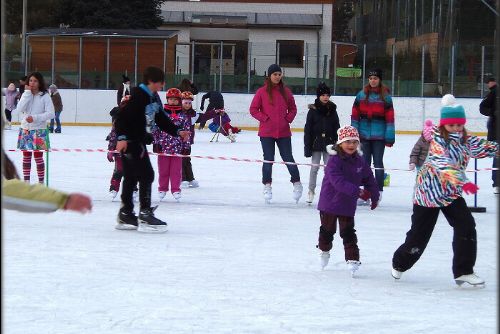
<point>488,108</point>
<point>133,124</point>
<point>216,102</point>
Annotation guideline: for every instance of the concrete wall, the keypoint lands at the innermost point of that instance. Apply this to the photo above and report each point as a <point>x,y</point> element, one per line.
<point>92,107</point>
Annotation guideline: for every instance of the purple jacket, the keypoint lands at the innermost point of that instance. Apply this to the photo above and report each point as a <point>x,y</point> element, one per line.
<point>166,143</point>
<point>344,174</point>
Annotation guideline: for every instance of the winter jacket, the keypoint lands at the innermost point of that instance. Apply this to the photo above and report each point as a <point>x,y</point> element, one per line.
<point>21,196</point>
<point>488,108</point>
<point>321,127</point>
<point>39,106</point>
<point>344,174</point>
<point>136,118</point>
<point>10,99</point>
<point>419,152</point>
<point>274,119</point>
<point>166,143</point>
<point>216,100</point>
<point>440,180</point>
<point>374,118</point>
<point>56,100</point>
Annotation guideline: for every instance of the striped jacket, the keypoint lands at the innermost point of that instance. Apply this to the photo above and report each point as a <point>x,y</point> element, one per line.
<point>373,118</point>
<point>442,176</point>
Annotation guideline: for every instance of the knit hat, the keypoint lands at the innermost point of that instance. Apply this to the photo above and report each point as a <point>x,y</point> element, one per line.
<point>377,72</point>
<point>53,86</point>
<point>273,68</point>
<point>347,132</point>
<point>451,112</point>
<point>322,89</point>
<point>125,78</point>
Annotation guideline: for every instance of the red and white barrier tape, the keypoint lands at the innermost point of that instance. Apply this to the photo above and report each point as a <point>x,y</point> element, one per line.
<point>220,158</point>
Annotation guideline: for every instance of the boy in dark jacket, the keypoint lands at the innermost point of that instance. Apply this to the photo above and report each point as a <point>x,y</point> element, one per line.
<point>133,125</point>
<point>320,130</point>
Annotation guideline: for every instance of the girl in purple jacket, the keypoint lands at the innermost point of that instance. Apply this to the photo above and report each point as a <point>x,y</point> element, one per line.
<point>345,172</point>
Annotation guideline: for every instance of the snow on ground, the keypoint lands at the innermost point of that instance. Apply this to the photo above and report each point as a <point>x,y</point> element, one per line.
<point>230,263</point>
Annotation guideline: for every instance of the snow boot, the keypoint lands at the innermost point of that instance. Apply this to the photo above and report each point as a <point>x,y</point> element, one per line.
<point>297,191</point>
<point>149,223</point>
<point>268,193</point>
<point>353,266</point>
<point>126,220</point>
<point>325,257</point>
<point>472,279</point>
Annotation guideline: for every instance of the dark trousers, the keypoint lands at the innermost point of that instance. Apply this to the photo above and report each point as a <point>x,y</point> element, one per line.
<point>136,169</point>
<point>8,114</point>
<point>423,221</point>
<point>375,149</point>
<point>346,230</point>
<point>285,148</point>
<point>187,168</point>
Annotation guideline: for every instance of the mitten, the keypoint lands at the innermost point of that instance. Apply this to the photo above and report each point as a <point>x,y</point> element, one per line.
<point>364,194</point>
<point>427,131</point>
<point>307,152</point>
<point>411,166</point>
<point>374,204</point>
<point>470,188</point>
<point>111,156</point>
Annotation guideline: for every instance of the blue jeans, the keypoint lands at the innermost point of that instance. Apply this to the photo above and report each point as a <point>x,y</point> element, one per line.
<point>375,149</point>
<point>58,122</point>
<point>285,148</point>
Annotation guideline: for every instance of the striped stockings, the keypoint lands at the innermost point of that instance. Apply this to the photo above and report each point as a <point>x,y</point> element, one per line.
<point>40,166</point>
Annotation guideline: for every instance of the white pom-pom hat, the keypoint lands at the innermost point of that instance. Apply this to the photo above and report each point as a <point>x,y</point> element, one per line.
<point>451,112</point>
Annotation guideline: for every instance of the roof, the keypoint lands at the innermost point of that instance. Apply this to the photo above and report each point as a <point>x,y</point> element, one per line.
<point>87,32</point>
<point>256,20</point>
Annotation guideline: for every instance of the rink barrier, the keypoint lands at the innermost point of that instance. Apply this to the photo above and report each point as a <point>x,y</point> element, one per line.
<point>80,150</point>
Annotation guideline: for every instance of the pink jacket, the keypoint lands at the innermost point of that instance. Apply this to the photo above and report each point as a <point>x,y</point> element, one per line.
<point>274,119</point>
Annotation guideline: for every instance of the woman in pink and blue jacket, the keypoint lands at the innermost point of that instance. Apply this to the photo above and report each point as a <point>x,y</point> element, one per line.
<point>274,107</point>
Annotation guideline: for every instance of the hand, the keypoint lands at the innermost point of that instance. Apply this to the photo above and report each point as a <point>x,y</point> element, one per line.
<point>78,202</point>
<point>185,135</point>
<point>389,144</point>
<point>470,188</point>
<point>121,146</point>
<point>364,194</point>
<point>373,205</point>
<point>411,166</point>
<point>111,156</point>
<point>29,119</point>
<point>27,87</point>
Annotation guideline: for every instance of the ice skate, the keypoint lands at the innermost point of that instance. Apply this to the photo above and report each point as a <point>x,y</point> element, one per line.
<point>161,195</point>
<point>310,197</point>
<point>177,195</point>
<point>193,184</point>
<point>496,190</point>
<point>353,266</point>
<point>135,196</point>
<point>148,223</point>
<point>184,184</point>
<point>297,191</point>
<point>324,257</point>
<point>126,220</point>
<point>472,279</point>
<point>396,273</point>
<point>231,136</point>
<point>8,126</point>
<point>268,193</point>
<point>112,194</point>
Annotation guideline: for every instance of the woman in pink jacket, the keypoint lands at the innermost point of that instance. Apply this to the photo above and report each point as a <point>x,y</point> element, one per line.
<point>274,107</point>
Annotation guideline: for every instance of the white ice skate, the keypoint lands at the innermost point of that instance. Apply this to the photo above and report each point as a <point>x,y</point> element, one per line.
<point>353,266</point>
<point>231,136</point>
<point>161,195</point>
<point>472,279</point>
<point>310,197</point>
<point>396,273</point>
<point>184,184</point>
<point>324,257</point>
<point>112,194</point>
<point>135,196</point>
<point>268,193</point>
<point>297,191</point>
<point>496,190</point>
<point>177,196</point>
<point>193,184</point>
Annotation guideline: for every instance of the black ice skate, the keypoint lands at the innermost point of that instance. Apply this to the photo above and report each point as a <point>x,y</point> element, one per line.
<point>126,220</point>
<point>149,223</point>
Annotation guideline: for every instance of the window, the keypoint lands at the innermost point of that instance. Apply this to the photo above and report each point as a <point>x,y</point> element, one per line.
<point>291,53</point>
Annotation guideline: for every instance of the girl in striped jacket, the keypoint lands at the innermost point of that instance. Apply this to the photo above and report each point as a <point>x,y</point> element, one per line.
<point>439,186</point>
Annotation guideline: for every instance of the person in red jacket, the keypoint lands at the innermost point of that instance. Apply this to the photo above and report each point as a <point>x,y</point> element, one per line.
<point>274,107</point>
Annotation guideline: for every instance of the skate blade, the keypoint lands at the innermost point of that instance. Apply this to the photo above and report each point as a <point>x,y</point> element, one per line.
<point>476,286</point>
<point>125,227</point>
<point>145,228</point>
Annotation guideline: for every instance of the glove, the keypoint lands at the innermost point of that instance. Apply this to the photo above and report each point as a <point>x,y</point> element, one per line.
<point>389,144</point>
<point>364,194</point>
<point>148,139</point>
<point>111,156</point>
<point>470,188</point>
<point>411,166</point>
<point>427,131</point>
<point>307,153</point>
<point>374,204</point>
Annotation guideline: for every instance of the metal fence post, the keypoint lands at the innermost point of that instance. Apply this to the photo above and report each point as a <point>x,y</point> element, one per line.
<point>306,67</point>
<point>335,70</point>
<point>452,74</point>
<point>192,61</point>
<point>393,77</point>
<point>364,67</point>
<point>249,66</point>
<point>53,71</point>
<point>220,66</point>
<point>80,64</point>
<point>107,63</point>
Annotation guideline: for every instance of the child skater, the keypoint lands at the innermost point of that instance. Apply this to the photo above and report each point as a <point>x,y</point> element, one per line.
<point>439,187</point>
<point>420,150</point>
<point>188,180</point>
<point>345,172</point>
<point>320,130</point>
<point>169,167</point>
<point>221,122</point>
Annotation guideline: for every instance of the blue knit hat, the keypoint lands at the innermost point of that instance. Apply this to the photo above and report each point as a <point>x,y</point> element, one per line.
<point>451,112</point>
<point>273,68</point>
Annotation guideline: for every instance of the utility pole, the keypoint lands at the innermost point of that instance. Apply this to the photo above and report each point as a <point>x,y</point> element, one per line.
<point>23,41</point>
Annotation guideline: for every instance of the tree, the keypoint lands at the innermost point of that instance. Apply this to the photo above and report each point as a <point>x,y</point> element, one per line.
<point>39,14</point>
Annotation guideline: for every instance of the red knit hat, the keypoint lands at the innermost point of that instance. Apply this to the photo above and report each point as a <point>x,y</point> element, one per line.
<point>346,133</point>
